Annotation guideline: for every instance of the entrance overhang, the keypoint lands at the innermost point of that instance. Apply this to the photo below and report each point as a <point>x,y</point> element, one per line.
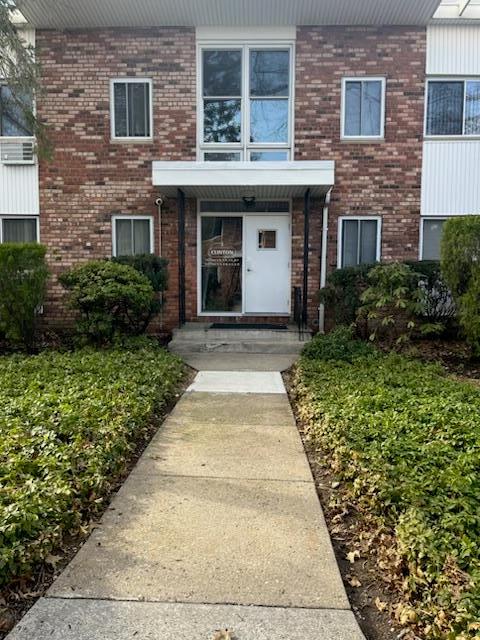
<point>231,180</point>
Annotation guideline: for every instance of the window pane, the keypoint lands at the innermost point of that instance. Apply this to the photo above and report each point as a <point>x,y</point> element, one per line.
<point>13,120</point>
<point>141,237</point>
<point>269,121</point>
<point>267,239</point>
<point>138,109</point>
<point>269,73</point>
<point>350,243</point>
<point>472,115</point>
<point>222,156</point>
<point>222,264</point>
<point>19,230</point>
<point>120,106</point>
<point>445,108</point>
<point>222,73</point>
<point>123,233</point>
<point>432,234</point>
<point>368,241</point>
<point>222,121</point>
<point>353,110</point>
<point>268,156</point>
<point>371,108</point>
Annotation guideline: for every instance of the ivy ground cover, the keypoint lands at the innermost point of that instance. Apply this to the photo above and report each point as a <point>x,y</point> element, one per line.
<point>68,424</point>
<point>404,440</point>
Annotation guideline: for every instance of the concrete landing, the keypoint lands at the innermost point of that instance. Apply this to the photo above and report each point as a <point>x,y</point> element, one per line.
<point>218,526</point>
<point>105,620</point>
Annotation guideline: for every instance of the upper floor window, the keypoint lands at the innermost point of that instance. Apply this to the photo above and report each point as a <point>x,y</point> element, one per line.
<point>363,108</point>
<point>245,103</point>
<point>359,241</point>
<point>132,235</point>
<point>131,108</point>
<point>453,108</point>
<point>14,109</point>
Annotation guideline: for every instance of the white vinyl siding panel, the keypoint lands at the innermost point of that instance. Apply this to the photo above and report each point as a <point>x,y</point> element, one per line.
<point>453,50</point>
<point>19,189</point>
<point>450,177</point>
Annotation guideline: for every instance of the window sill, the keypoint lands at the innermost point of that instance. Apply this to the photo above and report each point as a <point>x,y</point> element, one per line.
<point>131,140</point>
<point>451,138</point>
<point>362,139</point>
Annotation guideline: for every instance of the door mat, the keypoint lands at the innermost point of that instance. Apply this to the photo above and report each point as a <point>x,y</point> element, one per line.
<point>245,325</point>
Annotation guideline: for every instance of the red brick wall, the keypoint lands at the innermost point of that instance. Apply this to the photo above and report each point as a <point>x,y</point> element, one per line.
<point>91,178</point>
<point>380,178</point>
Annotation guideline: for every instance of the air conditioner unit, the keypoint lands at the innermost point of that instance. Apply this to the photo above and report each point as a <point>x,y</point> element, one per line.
<point>17,152</point>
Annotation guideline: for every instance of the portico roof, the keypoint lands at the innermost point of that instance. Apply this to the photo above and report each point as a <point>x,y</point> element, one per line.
<point>74,14</point>
<point>243,179</point>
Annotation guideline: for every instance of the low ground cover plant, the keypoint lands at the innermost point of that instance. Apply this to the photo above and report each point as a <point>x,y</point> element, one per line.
<point>68,423</point>
<point>404,439</point>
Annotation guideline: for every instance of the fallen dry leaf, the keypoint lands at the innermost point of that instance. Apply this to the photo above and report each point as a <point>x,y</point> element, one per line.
<point>355,582</point>
<point>224,634</point>
<point>352,556</point>
<point>381,606</point>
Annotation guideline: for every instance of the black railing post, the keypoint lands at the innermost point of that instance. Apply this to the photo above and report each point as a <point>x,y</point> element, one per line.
<point>306,250</point>
<point>181,256</point>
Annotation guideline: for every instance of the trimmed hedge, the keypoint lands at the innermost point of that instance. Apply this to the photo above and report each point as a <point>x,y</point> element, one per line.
<point>23,284</point>
<point>405,439</point>
<point>69,421</point>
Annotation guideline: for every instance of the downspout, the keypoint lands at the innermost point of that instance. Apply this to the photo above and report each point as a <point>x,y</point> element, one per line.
<point>159,203</point>
<point>323,260</point>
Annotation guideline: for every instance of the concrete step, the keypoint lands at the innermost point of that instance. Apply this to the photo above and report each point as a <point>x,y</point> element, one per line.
<point>182,347</point>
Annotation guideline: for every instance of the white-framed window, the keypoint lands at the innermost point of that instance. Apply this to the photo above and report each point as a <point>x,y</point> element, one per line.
<point>131,110</point>
<point>453,107</point>
<point>359,240</point>
<point>19,229</point>
<point>245,101</point>
<point>363,108</point>
<point>430,238</point>
<point>132,235</point>
<point>13,113</point>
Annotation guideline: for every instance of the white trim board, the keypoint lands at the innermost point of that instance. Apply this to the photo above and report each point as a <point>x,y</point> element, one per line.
<point>246,34</point>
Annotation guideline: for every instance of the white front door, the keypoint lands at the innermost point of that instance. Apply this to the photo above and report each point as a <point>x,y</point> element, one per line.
<point>267,264</point>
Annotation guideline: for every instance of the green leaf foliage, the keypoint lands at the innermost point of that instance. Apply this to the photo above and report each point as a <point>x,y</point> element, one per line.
<point>343,292</point>
<point>68,423</point>
<point>339,345</point>
<point>23,283</point>
<point>460,262</point>
<point>111,299</point>
<point>152,266</point>
<point>405,439</point>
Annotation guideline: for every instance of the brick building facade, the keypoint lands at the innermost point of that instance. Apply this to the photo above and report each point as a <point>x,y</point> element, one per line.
<point>91,177</point>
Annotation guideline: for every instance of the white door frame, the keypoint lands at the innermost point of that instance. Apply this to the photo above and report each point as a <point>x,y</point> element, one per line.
<point>243,215</point>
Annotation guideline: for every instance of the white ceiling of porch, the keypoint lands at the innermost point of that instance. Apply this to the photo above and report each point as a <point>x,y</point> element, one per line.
<point>142,13</point>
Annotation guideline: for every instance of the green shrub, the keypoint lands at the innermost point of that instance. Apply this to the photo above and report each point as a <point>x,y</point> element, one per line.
<point>152,266</point>
<point>460,264</point>
<point>437,305</point>
<point>112,299</point>
<point>339,345</point>
<point>395,300</point>
<point>23,284</point>
<point>69,422</point>
<point>343,292</point>
<point>404,439</point>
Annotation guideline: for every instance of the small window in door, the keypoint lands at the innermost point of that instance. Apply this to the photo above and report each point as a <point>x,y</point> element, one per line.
<point>267,239</point>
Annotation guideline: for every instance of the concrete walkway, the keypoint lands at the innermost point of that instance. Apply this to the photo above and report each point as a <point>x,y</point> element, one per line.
<point>218,526</point>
